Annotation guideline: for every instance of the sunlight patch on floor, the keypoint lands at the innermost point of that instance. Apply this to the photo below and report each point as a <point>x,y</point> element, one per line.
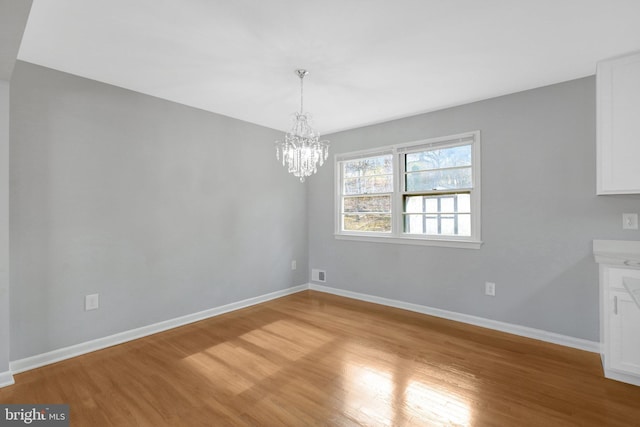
<point>276,338</point>
<point>245,361</point>
<point>387,390</point>
<point>438,406</point>
<point>369,394</point>
<point>231,367</point>
<point>218,373</point>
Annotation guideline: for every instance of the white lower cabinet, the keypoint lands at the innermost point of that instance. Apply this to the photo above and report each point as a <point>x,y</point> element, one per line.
<point>624,334</point>
<point>619,312</point>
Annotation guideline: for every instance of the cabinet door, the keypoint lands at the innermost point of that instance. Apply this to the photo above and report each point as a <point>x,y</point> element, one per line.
<point>624,333</point>
<point>618,127</point>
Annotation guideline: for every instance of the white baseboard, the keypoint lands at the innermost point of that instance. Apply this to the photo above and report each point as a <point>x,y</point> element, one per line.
<point>6,378</point>
<point>39,360</point>
<point>625,378</point>
<point>524,331</point>
<point>32,362</point>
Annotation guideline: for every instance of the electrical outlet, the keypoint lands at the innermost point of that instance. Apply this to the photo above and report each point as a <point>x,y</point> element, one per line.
<point>91,302</point>
<point>490,289</point>
<point>294,265</point>
<point>629,221</point>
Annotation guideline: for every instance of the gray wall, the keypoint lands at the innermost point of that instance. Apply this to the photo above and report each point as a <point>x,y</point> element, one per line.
<point>162,209</point>
<point>4,226</point>
<point>13,18</point>
<point>539,216</point>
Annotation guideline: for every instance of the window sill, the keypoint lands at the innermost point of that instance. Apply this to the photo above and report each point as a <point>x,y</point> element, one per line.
<point>419,241</point>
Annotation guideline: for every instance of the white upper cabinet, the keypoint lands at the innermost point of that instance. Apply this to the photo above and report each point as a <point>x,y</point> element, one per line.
<point>618,125</point>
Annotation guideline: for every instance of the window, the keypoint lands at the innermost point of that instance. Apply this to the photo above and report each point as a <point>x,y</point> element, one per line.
<point>425,192</point>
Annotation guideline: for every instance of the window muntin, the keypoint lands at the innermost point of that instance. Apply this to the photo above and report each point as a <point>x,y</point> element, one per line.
<point>426,192</point>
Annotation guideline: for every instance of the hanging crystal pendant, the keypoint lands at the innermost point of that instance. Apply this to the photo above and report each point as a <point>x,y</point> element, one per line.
<point>302,151</point>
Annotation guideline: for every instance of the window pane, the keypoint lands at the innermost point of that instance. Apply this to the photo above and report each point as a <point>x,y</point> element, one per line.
<point>438,159</point>
<point>417,204</point>
<point>367,222</point>
<point>447,225</point>
<point>427,204</point>
<point>438,203</point>
<point>438,224</point>
<point>420,224</point>
<point>440,214</point>
<point>379,165</point>
<point>367,204</point>
<point>464,225</point>
<point>464,203</point>
<point>447,204</point>
<point>448,179</point>
<point>368,184</point>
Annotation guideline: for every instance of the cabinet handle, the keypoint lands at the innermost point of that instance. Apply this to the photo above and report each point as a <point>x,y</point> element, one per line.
<point>615,305</point>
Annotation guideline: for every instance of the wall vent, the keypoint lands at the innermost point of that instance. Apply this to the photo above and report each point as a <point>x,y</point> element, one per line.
<point>318,275</point>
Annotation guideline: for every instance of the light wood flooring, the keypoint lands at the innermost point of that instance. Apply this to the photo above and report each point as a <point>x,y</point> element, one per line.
<point>318,359</point>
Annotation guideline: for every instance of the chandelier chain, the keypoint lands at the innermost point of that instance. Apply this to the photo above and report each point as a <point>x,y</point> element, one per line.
<point>301,93</point>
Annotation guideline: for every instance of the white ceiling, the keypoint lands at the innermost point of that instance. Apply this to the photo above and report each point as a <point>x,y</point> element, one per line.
<point>369,60</point>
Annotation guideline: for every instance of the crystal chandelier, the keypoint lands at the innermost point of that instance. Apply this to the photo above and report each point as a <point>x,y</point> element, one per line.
<point>302,151</point>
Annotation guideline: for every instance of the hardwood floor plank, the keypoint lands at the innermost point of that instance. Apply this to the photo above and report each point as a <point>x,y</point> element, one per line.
<point>319,359</point>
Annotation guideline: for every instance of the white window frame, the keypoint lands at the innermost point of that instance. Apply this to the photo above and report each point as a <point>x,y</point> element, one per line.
<point>397,234</point>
